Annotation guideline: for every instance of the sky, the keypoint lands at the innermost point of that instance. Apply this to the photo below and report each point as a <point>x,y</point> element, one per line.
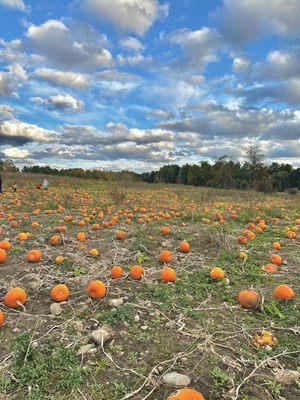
<point>137,84</point>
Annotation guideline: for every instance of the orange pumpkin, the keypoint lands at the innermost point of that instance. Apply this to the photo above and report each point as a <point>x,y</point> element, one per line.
<point>3,256</point>
<point>55,240</point>
<point>5,245</point>
<point>34,256</point>
<point>275,259</point>
<point>22,236</point>
<point>94,252</point>
<point>248,298</point>
<point>96,289</point>
<point>165,230</point>
<point>168,274</point>
<point>120,235</point>
<point>137,272</point>
<point>186,394</point>
<point>242,240</point>
<point>60,293</point>
<point>283,292</point>
<point>217,273</point>
<point>59,259</point>
<point>81,237</point>
<point>270,267</point>
<point>2,318</point>
<point>184,247</point>
<point>116,272</point>
<point>15,297</point>
<point>276,246</point>
<point>165,256</point>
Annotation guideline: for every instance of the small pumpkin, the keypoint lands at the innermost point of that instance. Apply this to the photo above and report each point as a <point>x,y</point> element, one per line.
<point>15,297</point>
<point>59,259</point>
<point>55,240</point>
<point>275,259</point>
<point>5,245</point>
<point>81,236</point>
<point>116,272</point>
<point>270,267</point>
<point>248,298</point>
<point>185,247</point>
<point>2,318</point>
<point>3,256</point>
<point>34,256</point>
<point>60,293</point>
<point>136,272</point>
<point>186,394</point>
<point>165,230</point>
<point>165,256</point>
<point>96,289</point>
<point>120,235</point>
<point>217,273</point>
<point>284,292</point>
<point>168,274</point>
<point>22,236</point>
<point>94,252</point>
<point>276,246</point>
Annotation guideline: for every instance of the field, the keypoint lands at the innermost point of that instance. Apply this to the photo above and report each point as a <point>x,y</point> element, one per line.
<point>148,328</point>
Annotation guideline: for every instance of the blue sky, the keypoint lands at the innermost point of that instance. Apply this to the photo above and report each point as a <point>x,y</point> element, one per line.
<point>140,83</point>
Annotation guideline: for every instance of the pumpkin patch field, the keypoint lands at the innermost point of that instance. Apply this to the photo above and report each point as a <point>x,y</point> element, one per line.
<point>115,291</point>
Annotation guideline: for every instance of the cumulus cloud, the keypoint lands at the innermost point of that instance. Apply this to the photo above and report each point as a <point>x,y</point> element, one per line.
<point>132,44</point>
<point>131,15</point>
<point>6,112</point>
<point>12,79</point>
<point>18,132</point>
<point>161,113</point>
<point>242,21</point>
<point>199,47</point>
<point>76,46</point>
<point>60,103</point>
<point>70,79</point>
<point>15,152</point>
<point>15,4</point>
<point>136,60</point>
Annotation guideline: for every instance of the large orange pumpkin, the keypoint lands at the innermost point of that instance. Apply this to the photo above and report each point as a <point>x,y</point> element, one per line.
<point>96,289</point>
<point>165,256</point>
<point>15,297</point>
<point>137,272</point>
<point>55,240</point>
<point>187,394</point>
<point>217,273</point>
<point>5,245</point>
<point>248,298</point>
<point>168,274</point>
<point>60,293</point>
<point>34,256</point>
<point>283,292</point>
<point>184,247</point>
<point>116,272</point>
<point>275,259</point>
<point>3,256</point>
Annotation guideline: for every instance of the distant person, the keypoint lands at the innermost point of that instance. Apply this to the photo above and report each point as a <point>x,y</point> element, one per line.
<point>15,186</point>
<point>1,191</point>
<point>45,184</point>
<point>39,186</point>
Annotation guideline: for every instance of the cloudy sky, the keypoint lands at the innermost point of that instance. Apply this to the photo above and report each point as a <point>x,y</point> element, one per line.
<point>140,83</point>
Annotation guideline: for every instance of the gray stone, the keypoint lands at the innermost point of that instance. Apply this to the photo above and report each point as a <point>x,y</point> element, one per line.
<point>101,335</point>
<point>176,379</point>
<point>116,302</point>
<point>55,309</point>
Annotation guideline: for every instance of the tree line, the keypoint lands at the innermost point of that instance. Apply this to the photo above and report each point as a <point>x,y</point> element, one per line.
<point>229,174</point>
<point>223,173</point>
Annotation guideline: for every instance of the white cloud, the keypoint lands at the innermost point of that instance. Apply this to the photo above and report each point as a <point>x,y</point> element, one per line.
<point>70,79</point>
<point>60,102</point>
<point>6,112</point>
<point>242,21</point>
<point>15,4</point>
<point>15,152</point>
<point>132,44</point>
<point>12,79</point>
<point>77,46</point>
<point>19,132</point>
<point>131,15</point>
<point>199,47</point>
<point>135,60</point>
<point>161,113</point>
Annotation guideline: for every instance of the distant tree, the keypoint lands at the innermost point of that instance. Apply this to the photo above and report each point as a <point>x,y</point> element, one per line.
<point>256,161</point>
<point>7,165</point>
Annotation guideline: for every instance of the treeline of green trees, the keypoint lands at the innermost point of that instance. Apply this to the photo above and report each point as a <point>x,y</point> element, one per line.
<point>223,173</point>
<point>229,174</point>
<point>8,166</point>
